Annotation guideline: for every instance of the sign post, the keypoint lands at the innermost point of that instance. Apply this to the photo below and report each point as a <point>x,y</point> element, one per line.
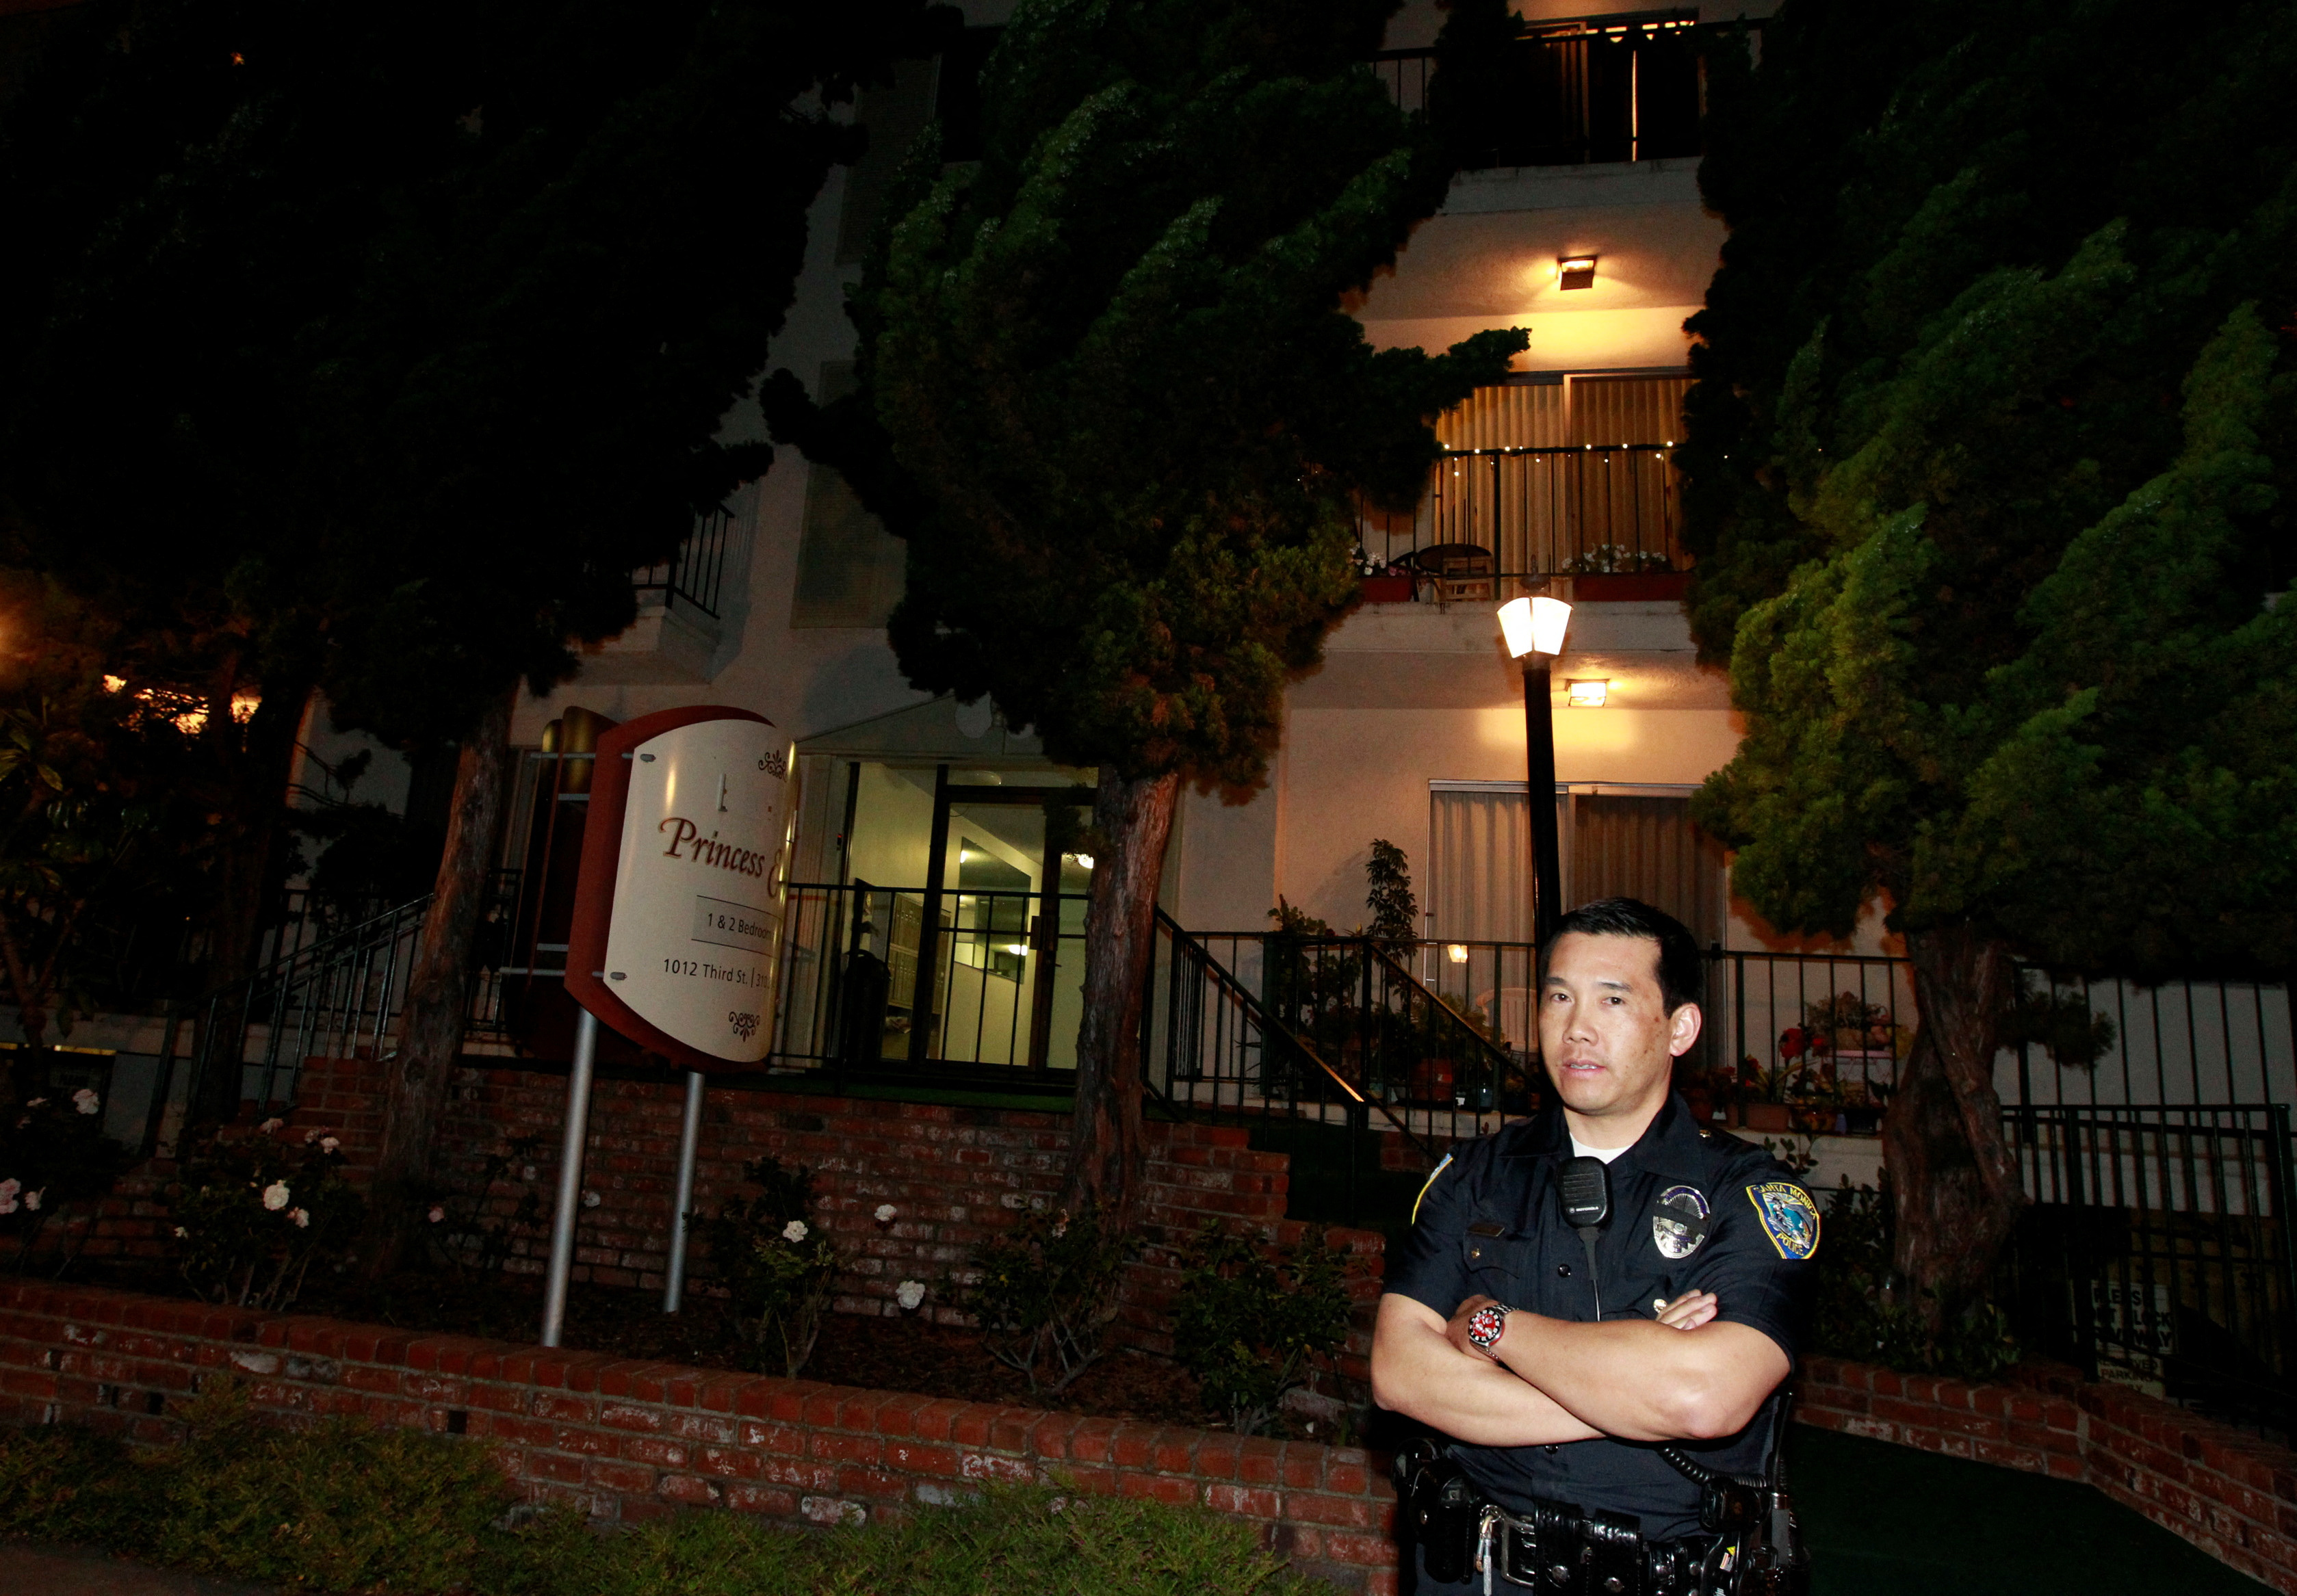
<point>677,929</point>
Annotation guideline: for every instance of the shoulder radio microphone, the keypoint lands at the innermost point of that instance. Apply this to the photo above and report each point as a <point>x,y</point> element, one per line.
<point>1584,1189</point>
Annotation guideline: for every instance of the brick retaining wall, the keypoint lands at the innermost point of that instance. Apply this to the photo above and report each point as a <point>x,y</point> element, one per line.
<point>633,1440</point>
<point>2228,1493</point>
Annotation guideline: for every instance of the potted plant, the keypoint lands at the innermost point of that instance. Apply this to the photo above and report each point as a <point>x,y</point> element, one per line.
<point>1613,572</point>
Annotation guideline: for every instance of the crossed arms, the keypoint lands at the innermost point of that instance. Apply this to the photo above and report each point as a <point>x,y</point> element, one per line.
<point>1685,1376</point>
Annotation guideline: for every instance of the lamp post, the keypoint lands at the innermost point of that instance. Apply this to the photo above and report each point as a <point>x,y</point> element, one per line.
<point>1534,628</point>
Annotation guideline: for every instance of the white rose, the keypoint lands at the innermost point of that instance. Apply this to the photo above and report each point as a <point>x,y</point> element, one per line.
<point>328,1144</point>
<point>275,1196</point>
<point>302,1218</point>
<point>910,1293</point>
<point>309,1137</point>
<point>35,1102</point>
<point>437,1213</point>
<point>8,1190</point>
<point>32,1199</point>
<point>884,1213</point>
<point>86,1101</point>
<point>181,1233</point>
<point>591,1199</point>
<point>795,1230</point>
<point>269,1125</point>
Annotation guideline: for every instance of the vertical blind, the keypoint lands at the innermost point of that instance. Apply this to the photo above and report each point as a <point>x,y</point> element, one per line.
<point>1615,845</point>
<point>1577,410</point>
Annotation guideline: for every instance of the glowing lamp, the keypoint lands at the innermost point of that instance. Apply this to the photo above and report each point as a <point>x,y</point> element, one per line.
<point>1576,271</point>
<point>1535,625</point>
<point>1457,953</point>
<point>1587,694</point>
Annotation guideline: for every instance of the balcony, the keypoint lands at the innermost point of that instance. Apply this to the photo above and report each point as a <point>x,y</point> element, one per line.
<point>683,605</point>
<point>1621,89</point>
<point>1531,487</point>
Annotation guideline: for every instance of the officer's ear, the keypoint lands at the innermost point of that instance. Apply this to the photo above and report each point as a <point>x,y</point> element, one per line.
<point>1683,1029</point>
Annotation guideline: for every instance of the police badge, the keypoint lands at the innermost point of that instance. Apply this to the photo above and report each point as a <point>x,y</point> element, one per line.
<point>1679,1221</point>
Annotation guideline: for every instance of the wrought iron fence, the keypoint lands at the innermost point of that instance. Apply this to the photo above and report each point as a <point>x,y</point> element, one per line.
<point>1493,517</point>
<point>337,989</point>
<point>1007,978</point>
<point>1330,1049</point>
<point>696,572</point>
<point>2157,1251</point>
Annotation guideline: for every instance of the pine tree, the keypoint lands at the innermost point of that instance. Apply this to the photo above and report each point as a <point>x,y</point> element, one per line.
<point>1110,398</point>
<point>1989,475</point>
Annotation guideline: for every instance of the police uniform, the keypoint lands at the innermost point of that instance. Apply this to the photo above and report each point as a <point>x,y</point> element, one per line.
<point>1690,1210</point>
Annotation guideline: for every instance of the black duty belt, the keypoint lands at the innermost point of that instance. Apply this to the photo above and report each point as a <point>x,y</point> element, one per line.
<point>1558,1550</point>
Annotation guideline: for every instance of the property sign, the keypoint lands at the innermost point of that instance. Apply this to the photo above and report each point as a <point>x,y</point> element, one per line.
<point>678,916</point>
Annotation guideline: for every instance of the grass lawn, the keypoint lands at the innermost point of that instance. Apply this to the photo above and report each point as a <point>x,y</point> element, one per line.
<point>1883,1520</point>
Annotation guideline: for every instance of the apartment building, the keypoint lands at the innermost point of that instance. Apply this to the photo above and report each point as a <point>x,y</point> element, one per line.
<point>932,835</point>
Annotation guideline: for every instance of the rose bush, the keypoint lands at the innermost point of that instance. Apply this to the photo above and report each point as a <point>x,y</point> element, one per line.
<point>54,1157</point>
<point>252,1215</point>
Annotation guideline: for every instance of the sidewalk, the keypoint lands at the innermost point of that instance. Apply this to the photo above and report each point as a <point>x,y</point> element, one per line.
<point>85,1571</point>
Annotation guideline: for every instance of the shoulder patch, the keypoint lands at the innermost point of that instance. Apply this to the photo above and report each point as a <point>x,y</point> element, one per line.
<point>1788,1215</point>
<point>1424,1185</point>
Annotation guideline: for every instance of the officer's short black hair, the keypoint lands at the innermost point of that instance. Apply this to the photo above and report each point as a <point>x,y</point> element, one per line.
<point>1682,972</point>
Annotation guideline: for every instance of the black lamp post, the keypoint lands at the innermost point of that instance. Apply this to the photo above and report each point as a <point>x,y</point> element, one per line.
<point>1534,628</point>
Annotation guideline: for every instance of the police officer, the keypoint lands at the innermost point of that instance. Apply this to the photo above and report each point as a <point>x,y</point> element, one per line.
<point>1593,1414</point>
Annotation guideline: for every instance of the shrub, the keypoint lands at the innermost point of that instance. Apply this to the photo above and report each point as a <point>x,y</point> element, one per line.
<point>1864,1309</point>
<point>1251,1316</point>
<point>346,1508</point>
<point>63,1482</point>
<point>1045,1293</point>
<point>778,1266</point>
<point>461,1232</point>
<point>341,1507</point>
<point>54,1155</point>
<point>1011,1538</point>
<point>251,1215</point>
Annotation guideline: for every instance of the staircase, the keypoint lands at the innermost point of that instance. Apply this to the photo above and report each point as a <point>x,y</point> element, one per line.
<point>1328,1048</point>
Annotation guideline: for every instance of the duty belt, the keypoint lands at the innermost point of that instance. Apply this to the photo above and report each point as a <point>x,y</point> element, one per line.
<point>1558,1550</point>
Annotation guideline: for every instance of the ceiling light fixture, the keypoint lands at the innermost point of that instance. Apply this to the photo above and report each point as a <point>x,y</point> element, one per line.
<point>1576,271</point>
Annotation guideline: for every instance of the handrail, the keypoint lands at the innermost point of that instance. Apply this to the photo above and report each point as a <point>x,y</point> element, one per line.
<point>1498,1055</point>
<point>283,983</point>
<point>1223,977</point>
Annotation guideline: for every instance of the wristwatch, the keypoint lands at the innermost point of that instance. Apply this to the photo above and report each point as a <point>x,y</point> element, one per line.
<point>1487,1324</point>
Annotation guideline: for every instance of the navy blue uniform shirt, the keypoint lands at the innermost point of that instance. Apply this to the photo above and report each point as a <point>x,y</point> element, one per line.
<point>1690,1210</point>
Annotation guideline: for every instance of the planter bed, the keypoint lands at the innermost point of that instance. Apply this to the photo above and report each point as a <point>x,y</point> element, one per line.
<point>631,1439</point>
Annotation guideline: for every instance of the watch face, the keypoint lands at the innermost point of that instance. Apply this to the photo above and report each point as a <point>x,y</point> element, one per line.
<point>1485,1325</point>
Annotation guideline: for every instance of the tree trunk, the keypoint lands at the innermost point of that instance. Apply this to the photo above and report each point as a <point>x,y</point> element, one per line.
<point>1107,1145</point>
<point>1956,1184</point>
<point>437,990</point>
<point>255,767</point>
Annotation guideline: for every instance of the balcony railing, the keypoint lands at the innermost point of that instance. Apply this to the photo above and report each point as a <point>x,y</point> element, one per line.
<point>1570,92</point>
<point>1495,517</point>
<point>696,572</point>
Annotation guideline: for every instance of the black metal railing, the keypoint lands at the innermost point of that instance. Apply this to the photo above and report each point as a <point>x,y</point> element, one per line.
<point>1495,517</point>
<point>1007,968</point>
<point>1330,1048</point>
<point>334,997</point>
<point>696,572</point>
<point>337,990</point>
<point>1566,94</point>
<point>2157,1250</point>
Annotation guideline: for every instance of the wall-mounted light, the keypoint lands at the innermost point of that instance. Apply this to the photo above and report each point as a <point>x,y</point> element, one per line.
<point>1084,860</point>
<point>1576,271</point>
<point>1587,694</point>
<point>1457,953</point>
<point>1017,947</point>
<point>1535,625</point>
